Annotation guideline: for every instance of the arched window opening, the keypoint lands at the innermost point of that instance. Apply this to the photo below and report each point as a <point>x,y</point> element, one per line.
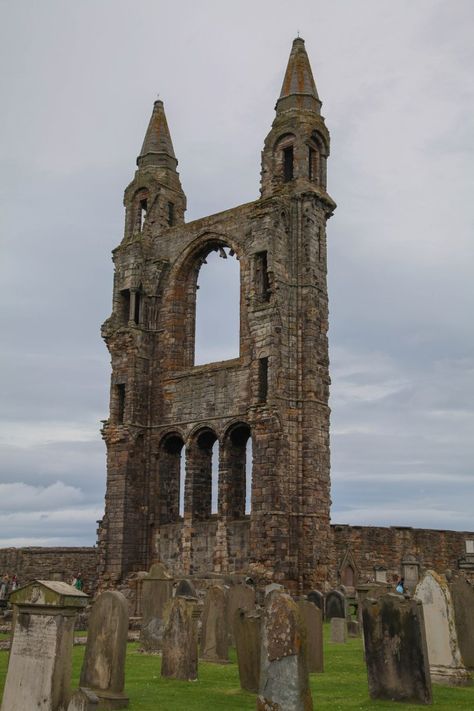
<point>217,330</point>
<point>142,210</point>
<point>215,478</point>
<point>200,470</point>
<point>239,463</point>
<point>170,482</point>
<point>348,576</point>
<point>284,157</point>
<point>313,164</point>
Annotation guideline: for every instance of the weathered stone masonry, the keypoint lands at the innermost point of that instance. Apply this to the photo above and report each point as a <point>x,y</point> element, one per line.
<point>276,392</point>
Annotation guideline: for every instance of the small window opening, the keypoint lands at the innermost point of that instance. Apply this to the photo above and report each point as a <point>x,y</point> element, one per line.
<point>262,380</point>
<point>125,305</point>
<point>137,309</point>
<point>120,391</point>
<point>311,163</point>
<point>263,283</point>
<point>142,212</point>
<point>215,477</point>
<point>170,214</point>
<point>288,164</point>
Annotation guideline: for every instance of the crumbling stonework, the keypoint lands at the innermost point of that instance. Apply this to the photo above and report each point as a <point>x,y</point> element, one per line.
<point>276,392</point>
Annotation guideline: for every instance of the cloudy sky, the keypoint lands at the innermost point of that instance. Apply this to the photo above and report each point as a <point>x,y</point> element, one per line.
<point>77,84</point>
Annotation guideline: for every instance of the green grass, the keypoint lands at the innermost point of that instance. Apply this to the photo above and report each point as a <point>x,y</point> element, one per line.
<point>343,686</point>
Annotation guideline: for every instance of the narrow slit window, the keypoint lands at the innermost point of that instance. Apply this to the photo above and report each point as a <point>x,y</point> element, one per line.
<point>142,213</point>
<point>288,164</point>
<point>125,305</point>
<point>310,163</point>
<point>170,214</point>
<point>262,281</point>
<point>262,380</point>
<point>137,309</point>
<point>120,391</point>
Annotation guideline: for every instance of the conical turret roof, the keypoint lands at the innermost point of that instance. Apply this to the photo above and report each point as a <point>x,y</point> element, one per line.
<point>298,89</point>
<point>157,147</point>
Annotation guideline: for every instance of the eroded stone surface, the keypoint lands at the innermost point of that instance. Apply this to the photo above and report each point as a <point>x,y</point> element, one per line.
<point>395,649</point>
<point>214,633</point>
<point>335,605</point>
<point>180,643</point>
<point>338,630</point>
<point>313,619</point>
<point>247,632</point>
<point>157,589</point>
<point>83,700</point>
<point>462,594</point>
<point>239,597</point>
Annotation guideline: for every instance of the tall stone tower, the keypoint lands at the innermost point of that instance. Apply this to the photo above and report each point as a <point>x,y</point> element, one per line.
<point>164,410</point>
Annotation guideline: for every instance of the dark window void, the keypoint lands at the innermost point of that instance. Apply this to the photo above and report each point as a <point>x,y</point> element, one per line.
<point>125,305</point>
<point>137,307</point>
<point>261,273</point>
<point>142,208</point>
<point>238,470</point>
<point>311,173</point>
<point>171,217</point>
<point>262,379</point>
<point>120,402</point>
<point>288,164</point>
<point>170,481</point>
<point>201,472</point>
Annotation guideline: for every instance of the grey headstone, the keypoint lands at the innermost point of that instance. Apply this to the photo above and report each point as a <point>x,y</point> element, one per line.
<point>239,597</point>
<point>214,633</point>
<point>395,649</point>
<point>103,668</point>
<point>39,668</point>
<point>335,605</point>
<point>313,619</point>
<point>247,633</point>
<point>284,679</point>
<point>317,598</point>
<point>185,588</point>
<point>180,646</point>
<point>462,593</point>
<point>446,664</point>
<point>83,700</point>
<point>157,589</point>
<point>353,628</point>
<point>338,630</point>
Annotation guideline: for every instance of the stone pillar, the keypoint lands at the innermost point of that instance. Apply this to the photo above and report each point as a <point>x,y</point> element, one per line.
<point>157,589</point>
<point>39,668</point>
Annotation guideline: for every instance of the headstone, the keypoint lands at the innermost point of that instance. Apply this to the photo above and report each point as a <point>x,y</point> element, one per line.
<point>284,678</point>
<point>395,649</point>
<point>272,587</point>
<point>185,588</point>
<point>353,628</point>
<point>247,633</point>
<point>446,664</point>
<point>338,630</point>
<point>462,593</point>
<point>239,597</point>
<point>317,598</point>
<point>313,619</point>
<point>39,668</point>
<point>157,589</point>
<point>335,605</point>
<point>410,573</point>
<point>180,646</point>
<point>214,634</point>
<point>103,668</point>
<point>83,700</point>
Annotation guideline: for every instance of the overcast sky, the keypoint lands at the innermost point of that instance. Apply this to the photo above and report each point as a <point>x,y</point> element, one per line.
<point>77,85</point>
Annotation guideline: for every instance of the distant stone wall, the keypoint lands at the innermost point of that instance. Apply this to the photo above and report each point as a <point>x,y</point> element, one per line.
<point>366,547</point>
<point>51,564</point>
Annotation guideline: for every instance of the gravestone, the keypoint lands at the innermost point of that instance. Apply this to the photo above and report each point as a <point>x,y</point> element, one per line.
<point>239,597</point>
<point>214,633</point>
<point>446,664</point>
<point>103,668</point>
<point>317,598</point>
<point>410,573</point>
<point>83,700</point>
<point>462,593</point>
<point>313,619</point>
<point>39,668</point>
<point>353,628</point>
<point>272,587</point>
<point>395,649</point>
<point>185,588</point>
<point>180,645</point>
<point>157,589</point>
<point>338,630</point>
<point>284,678</point>
<point>247,633</point>
<point>335,605</point>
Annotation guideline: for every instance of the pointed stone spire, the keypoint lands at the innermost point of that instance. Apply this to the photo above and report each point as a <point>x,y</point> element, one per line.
<point>298,90</point>
<point>157,149</point>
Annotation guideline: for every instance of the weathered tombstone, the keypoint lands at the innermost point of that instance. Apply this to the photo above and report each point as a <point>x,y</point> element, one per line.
<point>157,589</point>
<point>185,588</point>
<point>103,668</point>
<point>214,634</point>
<point>446,664</point>
<point>338,630</point>
<point>395,649</point>
<point>353,628</point>
<point>239,597</point>
<point>271,587</point>
<point>180,646</point>
<point>462,593</point>
<point>247,633</point>
<point>317,598</point>
<point>83,700</point>
<point>335,605</point>
<point>313,619</point>
<point>39,668</point>
<point>410,573</point>
<point>284,678</point>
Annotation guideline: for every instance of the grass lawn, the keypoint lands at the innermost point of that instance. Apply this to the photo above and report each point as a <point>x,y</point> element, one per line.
<point>342,686</point>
